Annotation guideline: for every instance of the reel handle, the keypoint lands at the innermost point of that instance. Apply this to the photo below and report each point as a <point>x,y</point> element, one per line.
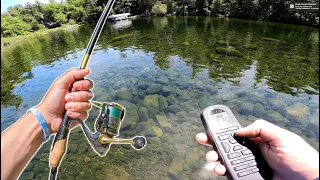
<point>137,142</point>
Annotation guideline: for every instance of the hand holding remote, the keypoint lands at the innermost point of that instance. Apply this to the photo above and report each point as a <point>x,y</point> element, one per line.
<point>289,156</point>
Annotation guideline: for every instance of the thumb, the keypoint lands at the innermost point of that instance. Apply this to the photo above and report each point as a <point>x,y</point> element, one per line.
<point>263,129</point>
<point>69,77</point>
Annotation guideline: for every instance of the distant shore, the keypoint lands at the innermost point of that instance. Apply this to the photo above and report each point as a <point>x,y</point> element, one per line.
<point>12,40</point>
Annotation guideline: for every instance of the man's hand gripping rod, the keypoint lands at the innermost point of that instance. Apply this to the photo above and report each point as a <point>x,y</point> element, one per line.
<point>59,145</point>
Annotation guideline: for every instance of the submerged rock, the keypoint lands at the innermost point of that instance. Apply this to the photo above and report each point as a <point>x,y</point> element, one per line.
<point>148,130</point>
<point>258,110</point>
<point>154,89</point>
<point>131,117</point>
<point>246,108</point>
<point>172,100</point>
<point>163,81</point>
<point>181,114</point>
<point>27,175</point>
<point>176,167</point>
<point>154,140</point>
<point>158,131</point>
<point>167,139</point>
<point>299,112</point>
<point>143,113</point>
<point>189,106</point>
<point>277,103</point>
<point>29,167</point>
<point>115,172</point>
<point>152,101</point>
<point>142,85</point>
<point>163,120</point>
<point>174,109</point>
<point>193,114</point>
<point>229,51</point>
<point>275,117</point>
<point>167,91</point>
<point>124,95</point>
<point>192,157</point>
<point>163,104</point>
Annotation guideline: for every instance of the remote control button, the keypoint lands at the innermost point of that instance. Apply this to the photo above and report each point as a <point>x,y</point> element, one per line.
<point>238,161</point>
<point>233,155</point>
<point>255,170</point>
<point>238,168</point>
<point>233,141</point>
<point>245,152</point>
<point>252,164</point>
<point>222,131</point>
<point>245,173</point>
<point>223,137</point>
<point>237,147</point>
<point>226,147</point>
<point>250,158</point>
<point>233,128</point>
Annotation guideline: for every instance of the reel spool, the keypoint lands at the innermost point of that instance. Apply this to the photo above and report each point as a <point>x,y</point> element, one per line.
<point>107,128</point>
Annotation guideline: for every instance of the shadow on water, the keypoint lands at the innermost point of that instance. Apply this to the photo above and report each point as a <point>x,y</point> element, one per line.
<point>164,71</point>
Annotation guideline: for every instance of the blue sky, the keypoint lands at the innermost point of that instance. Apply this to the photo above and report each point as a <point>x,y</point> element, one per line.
<point>6,3</point>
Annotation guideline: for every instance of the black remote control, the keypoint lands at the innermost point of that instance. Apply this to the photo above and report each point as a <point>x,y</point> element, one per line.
<point>242,159</point>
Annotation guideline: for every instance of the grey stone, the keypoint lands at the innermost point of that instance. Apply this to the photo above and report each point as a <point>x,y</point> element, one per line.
<point>181,114</point>
<point>193,114</point>
<point>176,167</point>
<point>152,101</point>
<point>172,100</point>
<point>167,91</point>
<point>27,175</point>
<point>163,104</point>
<point>163,120</point>
<point>299,112</point>
<point>174,109</point>
<point>143,113</point>
<point>154,89</point>
<point>258,110</point>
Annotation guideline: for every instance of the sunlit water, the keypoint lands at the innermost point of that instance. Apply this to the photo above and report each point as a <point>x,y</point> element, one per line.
<point>168,69</point>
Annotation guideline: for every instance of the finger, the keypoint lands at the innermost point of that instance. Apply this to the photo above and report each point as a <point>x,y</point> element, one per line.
<point>79,96</point>
<point>220,170</point>
<point>78,106</point>
<point>212,156</point>
<point>263,129</point>
<point>83,85</point>
<point>73,74</point>
<point>202,138</point>
<point>77,115</point>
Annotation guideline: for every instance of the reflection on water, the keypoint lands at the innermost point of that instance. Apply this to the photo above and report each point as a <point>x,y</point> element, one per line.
<point>164,71</point>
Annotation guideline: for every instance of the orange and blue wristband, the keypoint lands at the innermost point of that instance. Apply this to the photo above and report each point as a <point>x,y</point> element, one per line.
<point>43,123</point>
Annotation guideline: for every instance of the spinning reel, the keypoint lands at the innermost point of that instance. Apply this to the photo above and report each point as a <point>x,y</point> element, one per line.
<point>107,127</point>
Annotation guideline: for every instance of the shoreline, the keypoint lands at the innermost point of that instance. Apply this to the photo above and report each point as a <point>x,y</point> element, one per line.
<point>6,41</point>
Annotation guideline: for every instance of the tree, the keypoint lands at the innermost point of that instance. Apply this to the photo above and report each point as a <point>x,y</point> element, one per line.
<point>159,9</point>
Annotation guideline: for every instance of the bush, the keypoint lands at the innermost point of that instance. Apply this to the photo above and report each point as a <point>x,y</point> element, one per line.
<point>60,18</point>
<point>159,9</point>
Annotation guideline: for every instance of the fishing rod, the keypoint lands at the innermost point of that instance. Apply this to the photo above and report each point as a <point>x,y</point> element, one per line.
<point>107,124</point>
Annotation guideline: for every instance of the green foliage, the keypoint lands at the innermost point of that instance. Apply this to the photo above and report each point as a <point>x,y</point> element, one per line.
<point>171,7</point>
<point>159,9</point>
<point>19,19</point>
<point>60,18</point>
<point>11,26</point>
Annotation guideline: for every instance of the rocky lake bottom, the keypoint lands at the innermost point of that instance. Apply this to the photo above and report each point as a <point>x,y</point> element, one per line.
<point>163,102</point>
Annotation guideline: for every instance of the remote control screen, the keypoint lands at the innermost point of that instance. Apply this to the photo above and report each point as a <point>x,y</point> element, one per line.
<point>220,116</point>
